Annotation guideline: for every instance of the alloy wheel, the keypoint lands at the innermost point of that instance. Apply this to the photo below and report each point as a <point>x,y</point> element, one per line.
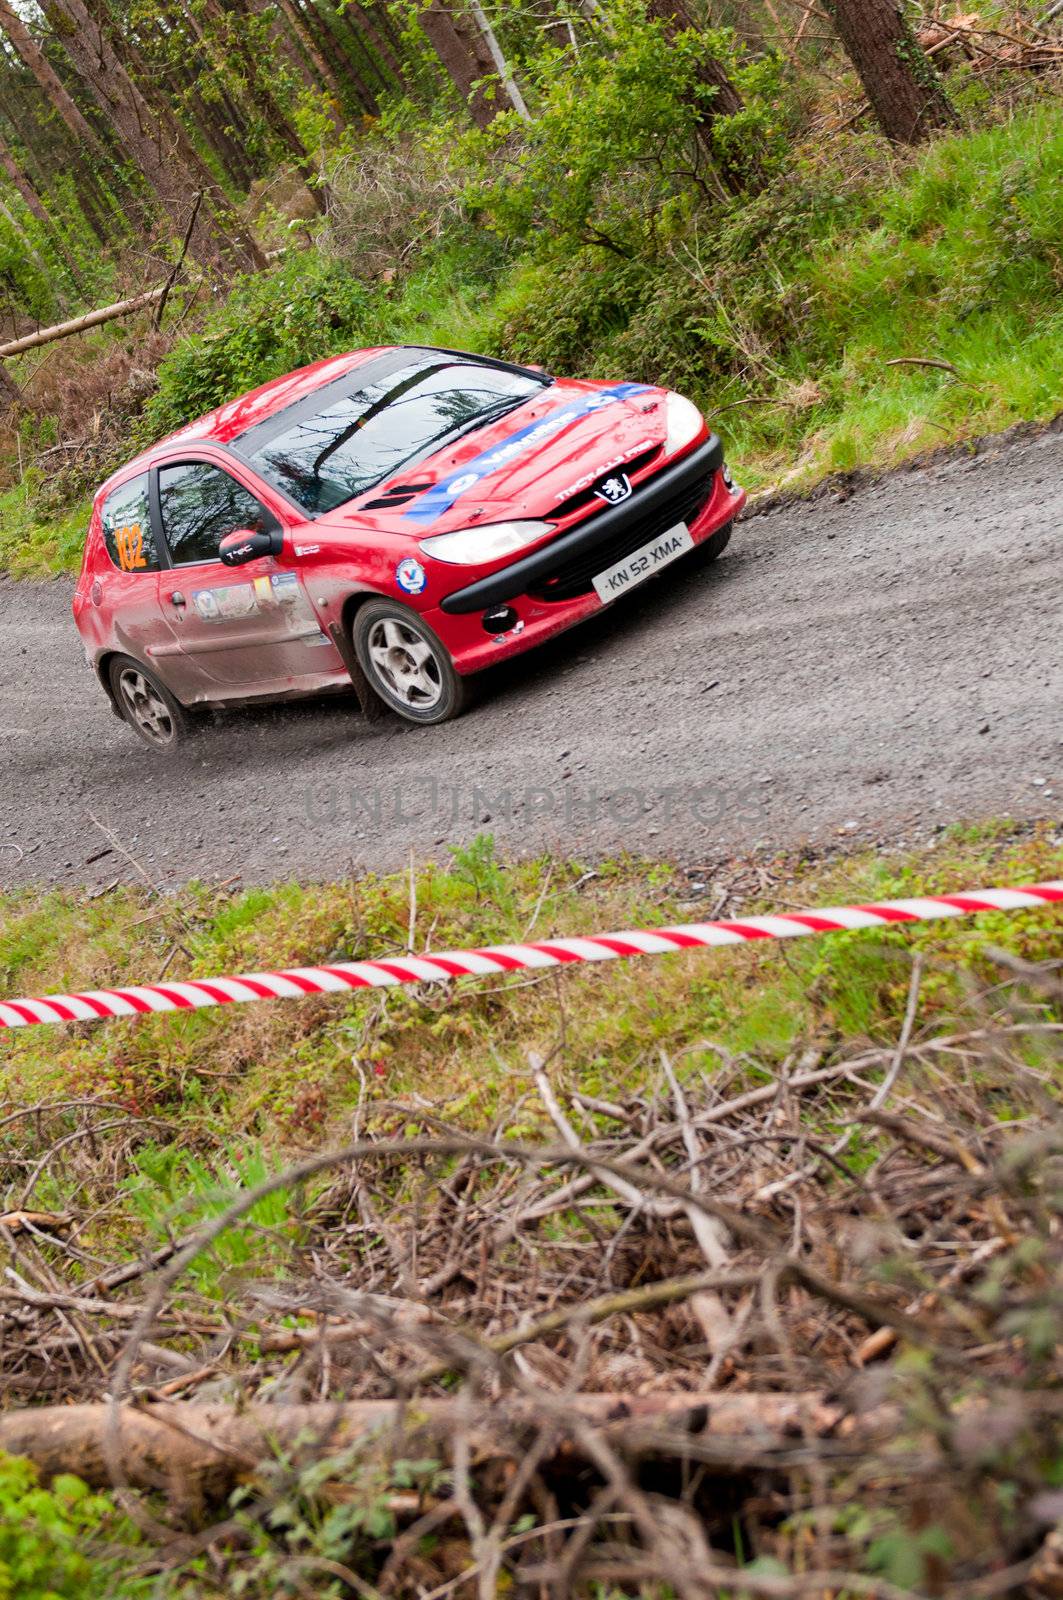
<point>405,664</point>
<point>146,708</point>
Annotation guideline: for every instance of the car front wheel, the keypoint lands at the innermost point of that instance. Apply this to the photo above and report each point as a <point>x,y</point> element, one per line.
<point>409,668</point>
<point>147,705</point>
<point>716,543</point>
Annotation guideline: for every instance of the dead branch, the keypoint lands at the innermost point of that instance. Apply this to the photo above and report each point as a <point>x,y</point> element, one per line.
<point>181,1445</point>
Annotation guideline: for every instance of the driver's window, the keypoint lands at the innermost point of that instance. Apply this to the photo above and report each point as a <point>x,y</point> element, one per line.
<point>200,504</point>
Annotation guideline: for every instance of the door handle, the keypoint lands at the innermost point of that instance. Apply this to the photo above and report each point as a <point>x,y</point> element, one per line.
<point>177,598</point>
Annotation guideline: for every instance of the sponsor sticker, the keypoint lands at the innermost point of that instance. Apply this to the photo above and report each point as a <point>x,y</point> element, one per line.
<point>214,605</point>
<point>410,575</point>
<point>238,601</point>
<point>606,466</point>
<point>285,586</point>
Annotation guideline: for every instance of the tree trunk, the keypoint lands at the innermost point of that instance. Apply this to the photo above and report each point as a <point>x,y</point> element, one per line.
<point>282,36</point>
<point>31,250</point>
<point>36,205</point>
<point>233,36</point>
<point>154,140</point>
<point>501,65</point>
<point>461,48</point>
<point>905,92</point>
<point>340,28</point>
<point>738,176</point>
<point>388,66</point>
<point>45,74</point>
<point>197,1452</point>
<point>325,75</point>
<point>25,188</point>
<point>222,116</point>
<point>88,319</point>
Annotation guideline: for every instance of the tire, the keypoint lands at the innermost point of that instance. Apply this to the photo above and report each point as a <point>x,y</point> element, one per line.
<point>715,544</point>
<point>406,664</point>
<point>147,705</point>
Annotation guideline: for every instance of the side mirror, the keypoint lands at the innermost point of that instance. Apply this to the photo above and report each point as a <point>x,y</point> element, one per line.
<point>244,545</point>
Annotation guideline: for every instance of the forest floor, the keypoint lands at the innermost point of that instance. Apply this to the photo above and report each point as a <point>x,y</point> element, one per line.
<point>841,1373</point>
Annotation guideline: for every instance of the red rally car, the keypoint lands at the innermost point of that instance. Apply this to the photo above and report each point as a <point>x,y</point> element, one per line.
<point>397,518</point>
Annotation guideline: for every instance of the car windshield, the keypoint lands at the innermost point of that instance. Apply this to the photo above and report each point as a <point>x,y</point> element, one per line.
<point>334,447</point>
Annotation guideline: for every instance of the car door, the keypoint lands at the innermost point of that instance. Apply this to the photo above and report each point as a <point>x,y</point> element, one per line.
<point>125,593</point>
<point>246,629</point>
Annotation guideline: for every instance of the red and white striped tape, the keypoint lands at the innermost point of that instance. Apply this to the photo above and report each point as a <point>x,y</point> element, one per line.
<point>343,976</point>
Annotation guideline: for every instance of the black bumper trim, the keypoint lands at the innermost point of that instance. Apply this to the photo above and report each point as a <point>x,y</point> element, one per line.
<point>595,530</point>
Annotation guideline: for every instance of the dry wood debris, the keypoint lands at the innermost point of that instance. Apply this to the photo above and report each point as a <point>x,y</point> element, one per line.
<point>701,1325</point>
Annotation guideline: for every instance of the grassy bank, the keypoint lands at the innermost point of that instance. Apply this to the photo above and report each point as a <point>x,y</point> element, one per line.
<point>865,308</point>
<point>281,1074</point>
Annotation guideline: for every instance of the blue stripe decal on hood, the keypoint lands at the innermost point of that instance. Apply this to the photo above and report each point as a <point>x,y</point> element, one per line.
<point>435,501</point>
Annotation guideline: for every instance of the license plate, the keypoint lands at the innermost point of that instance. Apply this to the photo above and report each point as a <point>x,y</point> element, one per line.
<point>636,568</point>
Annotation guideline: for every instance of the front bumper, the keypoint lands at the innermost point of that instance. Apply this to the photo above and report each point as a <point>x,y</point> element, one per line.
<point>596,542</point>
<point>473,650</point>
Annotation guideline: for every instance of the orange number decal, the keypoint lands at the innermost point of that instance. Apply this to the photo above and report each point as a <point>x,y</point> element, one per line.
<point>130,542</point>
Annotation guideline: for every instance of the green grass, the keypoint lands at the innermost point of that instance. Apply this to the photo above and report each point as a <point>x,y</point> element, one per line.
<point>34,542</point>
<point>964,265</point>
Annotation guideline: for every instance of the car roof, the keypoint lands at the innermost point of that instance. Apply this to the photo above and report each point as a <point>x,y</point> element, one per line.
<point>225,423</point>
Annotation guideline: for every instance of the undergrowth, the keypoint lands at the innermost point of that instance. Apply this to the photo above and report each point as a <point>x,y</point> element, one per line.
<point>54,1540</point>
<point>868,1168</point>
<point>224,1091</point>
<point>130,1135</point>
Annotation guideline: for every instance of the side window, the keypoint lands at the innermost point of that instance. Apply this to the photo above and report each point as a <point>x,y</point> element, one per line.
<point>200,505</point>
<point>127,528</point>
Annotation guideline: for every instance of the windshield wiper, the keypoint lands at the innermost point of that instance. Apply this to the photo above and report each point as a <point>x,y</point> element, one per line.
<point>484,417</point>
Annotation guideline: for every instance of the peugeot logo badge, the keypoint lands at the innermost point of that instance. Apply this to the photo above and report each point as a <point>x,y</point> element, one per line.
<point>613,489</point>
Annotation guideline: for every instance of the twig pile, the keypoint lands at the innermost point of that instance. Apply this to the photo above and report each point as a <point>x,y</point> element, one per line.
<point>703,1324</point>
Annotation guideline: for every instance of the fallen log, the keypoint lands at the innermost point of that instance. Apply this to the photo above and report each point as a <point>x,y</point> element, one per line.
<point>197,1452</point>
<point>89,319</point>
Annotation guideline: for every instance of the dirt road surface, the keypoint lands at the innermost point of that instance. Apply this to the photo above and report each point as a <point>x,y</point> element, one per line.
<point>860,668</point>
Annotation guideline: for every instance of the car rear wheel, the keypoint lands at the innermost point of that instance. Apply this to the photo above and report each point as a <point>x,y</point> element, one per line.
<point>147,705</point>
<point>409,668</point>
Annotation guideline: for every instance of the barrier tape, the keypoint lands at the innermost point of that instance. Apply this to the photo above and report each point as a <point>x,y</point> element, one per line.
<point>341,977</point>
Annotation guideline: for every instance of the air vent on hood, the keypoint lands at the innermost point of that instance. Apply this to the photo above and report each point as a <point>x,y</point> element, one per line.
<point>397,495</point>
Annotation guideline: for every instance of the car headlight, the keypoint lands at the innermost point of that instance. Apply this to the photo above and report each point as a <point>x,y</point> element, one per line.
<point>467,547</point>
<point>683,422</point>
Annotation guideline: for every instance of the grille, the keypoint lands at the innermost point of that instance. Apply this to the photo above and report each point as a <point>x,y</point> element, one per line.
<point>575,576</point>
<point>583,497</point>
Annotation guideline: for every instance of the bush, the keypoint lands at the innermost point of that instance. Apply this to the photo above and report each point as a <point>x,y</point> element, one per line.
<point>306,308</point>
<point>622,150</point>
<point>47,1535</point>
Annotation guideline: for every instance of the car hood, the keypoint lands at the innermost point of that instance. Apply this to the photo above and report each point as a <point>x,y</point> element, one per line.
<point>523,466</point>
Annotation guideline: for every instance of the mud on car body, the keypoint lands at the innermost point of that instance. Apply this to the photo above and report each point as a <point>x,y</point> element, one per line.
<point>400,517</point>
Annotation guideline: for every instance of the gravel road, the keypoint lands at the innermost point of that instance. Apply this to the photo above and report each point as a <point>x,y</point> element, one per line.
<point>862,667</point>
